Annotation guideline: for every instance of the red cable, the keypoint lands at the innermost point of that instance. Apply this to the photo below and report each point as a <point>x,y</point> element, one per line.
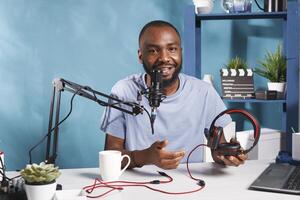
<point>146,186</point>
<point>187,161</point>
<point>118,185</point>
<point>102,184</point>
<point>89,189</point>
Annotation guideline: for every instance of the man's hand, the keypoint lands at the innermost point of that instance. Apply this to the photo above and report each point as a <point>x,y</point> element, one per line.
<point>157,155</point>
<point>229,160</point>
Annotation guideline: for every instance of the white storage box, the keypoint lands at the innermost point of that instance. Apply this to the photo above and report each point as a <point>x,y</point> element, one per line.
<point>270,143</point>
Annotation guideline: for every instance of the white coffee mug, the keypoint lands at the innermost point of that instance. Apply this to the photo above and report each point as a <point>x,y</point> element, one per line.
<point>110,164</point>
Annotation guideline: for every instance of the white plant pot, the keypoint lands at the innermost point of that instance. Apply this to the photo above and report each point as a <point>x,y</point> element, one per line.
<point>40,192</point>
<point>279,87</point>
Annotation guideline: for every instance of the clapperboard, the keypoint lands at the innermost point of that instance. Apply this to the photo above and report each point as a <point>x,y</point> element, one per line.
<point>237,84</point>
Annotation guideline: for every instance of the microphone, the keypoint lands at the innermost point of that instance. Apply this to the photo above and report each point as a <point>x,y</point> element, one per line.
<point>155,95</point>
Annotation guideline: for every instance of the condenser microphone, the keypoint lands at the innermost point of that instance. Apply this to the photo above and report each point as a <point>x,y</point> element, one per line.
<point>155,90</point>
<point>155,95</point>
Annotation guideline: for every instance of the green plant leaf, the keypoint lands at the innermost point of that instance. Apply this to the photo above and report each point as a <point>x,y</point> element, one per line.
<point>40,174</point>
<point>236,63</point>
<point>273,67</point>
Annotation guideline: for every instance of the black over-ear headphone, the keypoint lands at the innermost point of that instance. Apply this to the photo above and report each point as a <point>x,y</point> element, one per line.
<point>231,149</point>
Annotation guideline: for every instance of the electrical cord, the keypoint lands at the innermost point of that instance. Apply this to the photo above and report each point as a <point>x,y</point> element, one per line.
<point>149,116</point>
<point>69,113</point>
<point>50,132</point>
<point>258,5</point>
<point>145,93</point>
<point>119,185</point>
<point>200,181</point>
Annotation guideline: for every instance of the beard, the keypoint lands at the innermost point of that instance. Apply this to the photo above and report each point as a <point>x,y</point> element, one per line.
<point>165,82</point>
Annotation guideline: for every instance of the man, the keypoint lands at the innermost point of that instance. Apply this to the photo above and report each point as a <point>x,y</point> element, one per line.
<point>189,107</point>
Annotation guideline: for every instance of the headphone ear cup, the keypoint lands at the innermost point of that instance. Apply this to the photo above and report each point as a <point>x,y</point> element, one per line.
<point>216,135</point>
<point>229,149</point>
<point>210,137</point>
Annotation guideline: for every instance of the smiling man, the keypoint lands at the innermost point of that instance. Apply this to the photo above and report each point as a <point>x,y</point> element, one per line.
<point>189,107</point>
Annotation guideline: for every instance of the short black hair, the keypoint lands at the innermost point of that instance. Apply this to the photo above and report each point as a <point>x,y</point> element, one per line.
<point>157,23</point>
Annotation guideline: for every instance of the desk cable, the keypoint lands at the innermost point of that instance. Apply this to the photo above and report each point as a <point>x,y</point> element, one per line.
<point>119,185</point>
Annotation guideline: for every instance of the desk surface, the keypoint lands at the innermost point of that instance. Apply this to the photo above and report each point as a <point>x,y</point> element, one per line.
<point>226,182</point>
<point>221,182</point>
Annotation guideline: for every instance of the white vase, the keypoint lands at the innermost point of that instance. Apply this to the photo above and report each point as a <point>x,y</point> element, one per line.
<point>279,87</point>
<point>208,78</point>
<point>40,192</point>
<point>203,6</point>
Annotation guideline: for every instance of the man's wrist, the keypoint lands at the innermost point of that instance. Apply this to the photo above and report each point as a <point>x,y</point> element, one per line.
<point>136,159</point>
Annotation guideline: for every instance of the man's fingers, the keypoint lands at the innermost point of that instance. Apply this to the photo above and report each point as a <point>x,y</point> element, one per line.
<point>161,144</point>
<point>170,163</point>
<point>231,160</point>
<point>227,162</point>
<point>170,160</point>
<point>243,157</point>
<point>234,160</point>
<point>173,155</point>
<point>223,159</point>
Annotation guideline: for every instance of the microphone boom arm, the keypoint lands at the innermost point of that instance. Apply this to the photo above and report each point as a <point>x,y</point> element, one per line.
<point>60,85</point>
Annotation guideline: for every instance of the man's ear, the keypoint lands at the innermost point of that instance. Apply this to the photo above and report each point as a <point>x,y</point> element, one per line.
<point>140,56</point>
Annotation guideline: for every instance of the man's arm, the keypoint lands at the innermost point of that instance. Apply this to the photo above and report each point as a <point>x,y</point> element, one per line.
<point>155,154</point>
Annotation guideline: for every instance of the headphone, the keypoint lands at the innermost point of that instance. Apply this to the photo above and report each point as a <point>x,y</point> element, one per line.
<point>232,148</point>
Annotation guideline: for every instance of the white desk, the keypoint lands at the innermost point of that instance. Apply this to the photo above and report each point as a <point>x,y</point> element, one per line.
<point>221,182</point>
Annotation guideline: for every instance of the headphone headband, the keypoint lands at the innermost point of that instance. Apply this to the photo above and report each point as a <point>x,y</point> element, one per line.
<point>213,128</point>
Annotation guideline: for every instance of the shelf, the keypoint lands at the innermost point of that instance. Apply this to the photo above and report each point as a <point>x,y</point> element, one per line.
<point>291,40</point>
<point>253,15</point>
<point>253,101</point>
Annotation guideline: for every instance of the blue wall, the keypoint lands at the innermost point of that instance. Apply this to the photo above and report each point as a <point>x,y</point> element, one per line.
<point>91,42</point>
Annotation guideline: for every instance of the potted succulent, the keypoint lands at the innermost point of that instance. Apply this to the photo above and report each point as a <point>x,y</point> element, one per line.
<point>273,68</point>
<point>237,80</point>
<point>40,181</point>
